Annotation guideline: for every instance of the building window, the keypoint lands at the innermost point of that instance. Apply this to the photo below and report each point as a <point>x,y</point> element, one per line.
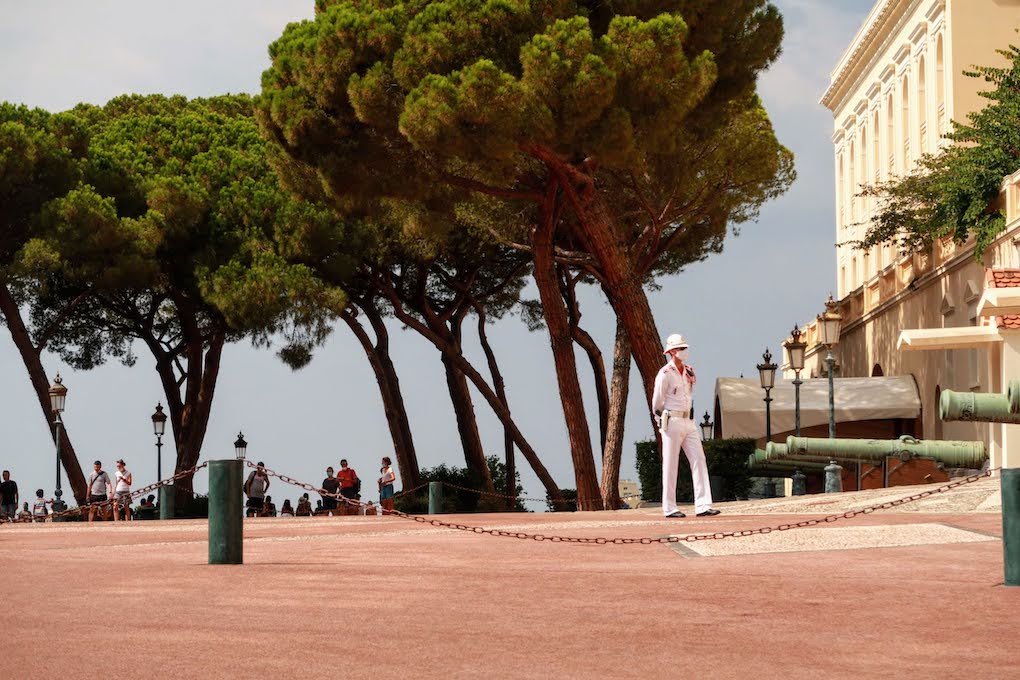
<point>940,87</point>
<point>876,371</point>
<point>890,137</point>
<point>852,185</point>
<point>922,108</point>
<point>840,190</point>
<point>876,155</point>
<point>905,123</point>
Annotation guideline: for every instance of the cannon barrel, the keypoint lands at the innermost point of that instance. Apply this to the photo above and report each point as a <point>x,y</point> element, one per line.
<point>990,407</point>
<point>757,461</point>
<point>774,451</point>
<point>951,453</point>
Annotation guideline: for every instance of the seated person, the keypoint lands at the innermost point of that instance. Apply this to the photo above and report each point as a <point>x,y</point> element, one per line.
<point>25,513</point>
<point>287,510</point>
<point>269,508</point>
<point>304,506</point>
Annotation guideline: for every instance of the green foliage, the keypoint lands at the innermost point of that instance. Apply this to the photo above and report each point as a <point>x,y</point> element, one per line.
<point>459,500</point>
<point>727,458</point>
<point>956,193</point>
<point>569,503</point>
<point>432,103</point>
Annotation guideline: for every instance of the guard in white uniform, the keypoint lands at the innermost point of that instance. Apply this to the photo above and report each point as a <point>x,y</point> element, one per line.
<point>671,402</point>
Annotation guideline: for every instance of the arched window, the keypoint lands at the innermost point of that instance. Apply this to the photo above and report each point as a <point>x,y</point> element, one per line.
<point>905,123</point>
<point>876,371</point>
<point>853,273</point>
<point>890,137</point>
<point>852,185</point>
<point>922,107</point>
<point>841,194</point>
<point>876,155</point>
<point>940,86</point>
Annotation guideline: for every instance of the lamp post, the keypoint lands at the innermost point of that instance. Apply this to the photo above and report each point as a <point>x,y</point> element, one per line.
<point>795,348</point>
<point>706,426</point>
<point>240,446</point>
<point>828,335</point>
<point>58,395</point>
<point>158,428</point>
<point>767,374</point>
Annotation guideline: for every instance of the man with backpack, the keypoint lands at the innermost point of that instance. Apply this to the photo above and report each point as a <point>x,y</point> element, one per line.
<point>100,488</point>
<point>255,488</point>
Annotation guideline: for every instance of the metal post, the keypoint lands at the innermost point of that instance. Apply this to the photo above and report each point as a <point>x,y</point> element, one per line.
<point>435,498</point>
<point>225,512</point>
<point>167,501</point>
<point>797,382</point>
<point>1011,524</point>
<point>58,504</point>
<point>159,457</point>
<point>830,360</point>
<point>833,477</point>
<point>768,415</point>
<point>799,483</point>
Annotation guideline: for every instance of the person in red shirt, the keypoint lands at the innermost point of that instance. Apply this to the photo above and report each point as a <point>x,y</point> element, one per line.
<point>349,482</point>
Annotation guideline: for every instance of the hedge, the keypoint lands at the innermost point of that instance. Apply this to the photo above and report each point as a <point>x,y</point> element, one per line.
<point>727,458</point>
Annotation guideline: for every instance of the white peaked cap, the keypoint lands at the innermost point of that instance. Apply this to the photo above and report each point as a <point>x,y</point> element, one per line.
<point>675,341</point>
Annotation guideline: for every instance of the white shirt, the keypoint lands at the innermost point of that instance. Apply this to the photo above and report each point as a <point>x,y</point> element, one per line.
<point>122,484</point>
<point>673,392</point>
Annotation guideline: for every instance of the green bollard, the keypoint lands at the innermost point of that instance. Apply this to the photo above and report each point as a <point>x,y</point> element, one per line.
<point>833,477</point>
<point>167,501</point>
<point>435,498</point>
<point>226,512</point>
<point>1011,524</point>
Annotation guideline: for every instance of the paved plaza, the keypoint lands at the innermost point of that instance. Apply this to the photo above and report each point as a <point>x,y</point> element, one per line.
<point>891,594</point>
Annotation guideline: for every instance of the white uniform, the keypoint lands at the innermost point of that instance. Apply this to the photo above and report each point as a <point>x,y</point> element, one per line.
<point>672,396</point>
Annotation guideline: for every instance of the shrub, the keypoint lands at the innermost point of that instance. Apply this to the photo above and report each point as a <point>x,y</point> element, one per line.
<point>459,500</point>
<point>727,458</point>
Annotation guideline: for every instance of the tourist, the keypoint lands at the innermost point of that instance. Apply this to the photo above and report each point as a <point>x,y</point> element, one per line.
<point>269,509</point>
<point>100,488</point>
<point>24,515</point>
<point>39,509</point>
<point>255,488</point>
<point>304,506</point>
<point>386,485</point>
<point>122,494</point>
<point>319,510</point>
<point>8,496</point>
<point>330,485</point>
<point>287,510</point>
<point>350,485</point>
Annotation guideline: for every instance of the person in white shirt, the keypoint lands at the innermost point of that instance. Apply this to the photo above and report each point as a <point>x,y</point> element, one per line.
<point>122,494</point>
<point>671,402</point>
<point>100,488</point>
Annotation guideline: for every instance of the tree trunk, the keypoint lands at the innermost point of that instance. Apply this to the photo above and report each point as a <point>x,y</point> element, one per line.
<point>591,348</point>
<point>622,282</point>
<point>40,384</point>
<point>500,387</point>
<point>467,424</point>
<point>389,390</point>
<point>502,412</point>
<point>544,272</point>
<point>612,453</point>
<point>194,418</point>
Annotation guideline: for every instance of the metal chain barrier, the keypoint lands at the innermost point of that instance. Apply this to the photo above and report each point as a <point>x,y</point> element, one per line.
<point>81,509</point>
<point>646,540</point>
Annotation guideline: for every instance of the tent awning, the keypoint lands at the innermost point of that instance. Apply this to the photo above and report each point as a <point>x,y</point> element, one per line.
<point>741,410</point>
<point>960,337</point>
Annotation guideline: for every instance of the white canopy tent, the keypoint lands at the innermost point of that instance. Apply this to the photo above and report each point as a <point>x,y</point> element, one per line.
<point>740,408</point>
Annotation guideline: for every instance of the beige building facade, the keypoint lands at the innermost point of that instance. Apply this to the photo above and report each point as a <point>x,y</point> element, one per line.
<point>894,95</point>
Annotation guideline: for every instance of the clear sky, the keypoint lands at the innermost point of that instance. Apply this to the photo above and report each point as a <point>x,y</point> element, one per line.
<point>777,272</point>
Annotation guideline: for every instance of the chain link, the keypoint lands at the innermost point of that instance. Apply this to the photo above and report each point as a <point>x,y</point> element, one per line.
<point>689,538</point>
<point>109,501</point>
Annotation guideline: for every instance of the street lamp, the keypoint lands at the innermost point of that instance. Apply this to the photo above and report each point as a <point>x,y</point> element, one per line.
<point>767,374</point>
<point>158,428</point>
<point>795,351</point>
<point>58,395</point>
<point>828,335</point>
<point>240,446</point>
<point>706,427</point>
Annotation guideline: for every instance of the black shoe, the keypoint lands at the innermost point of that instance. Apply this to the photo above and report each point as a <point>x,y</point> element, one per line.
<point>711,512</point>
<point>675,515</point>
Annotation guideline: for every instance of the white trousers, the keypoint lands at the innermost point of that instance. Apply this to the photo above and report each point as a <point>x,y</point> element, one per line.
<point>683,433</point>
